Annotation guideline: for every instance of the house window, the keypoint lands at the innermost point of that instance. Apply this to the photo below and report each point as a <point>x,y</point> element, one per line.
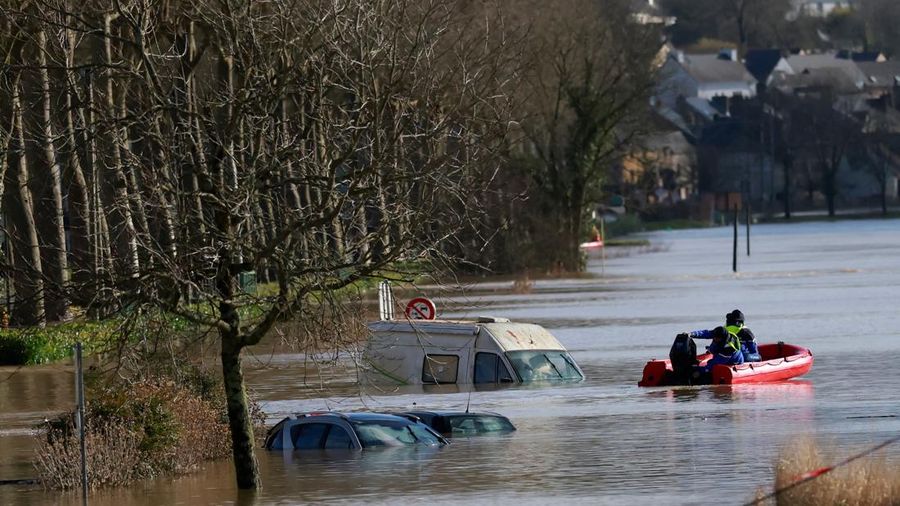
<point>439,369</point>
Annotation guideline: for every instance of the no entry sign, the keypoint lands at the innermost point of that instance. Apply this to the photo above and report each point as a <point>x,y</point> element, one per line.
<point>420,308</point>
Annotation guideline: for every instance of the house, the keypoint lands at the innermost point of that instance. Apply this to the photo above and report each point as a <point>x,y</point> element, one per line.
<point>882,79</point>
<point>661,167</point>
<point>762,63</point>
<point>647,12</point>
<point>816,8</point>
<point>862,56</point>
<point>732,159</point>
<point>704,76</point>
<point>800,63</point>
<point>806,74</point>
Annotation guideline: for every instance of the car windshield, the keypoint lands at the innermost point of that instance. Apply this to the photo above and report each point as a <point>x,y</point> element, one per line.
<point>466,425</point>
<point>393,433</point>
<point>552,365</point>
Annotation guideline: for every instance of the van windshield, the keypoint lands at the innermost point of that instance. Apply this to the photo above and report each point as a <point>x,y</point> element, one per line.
<point>548,365</point>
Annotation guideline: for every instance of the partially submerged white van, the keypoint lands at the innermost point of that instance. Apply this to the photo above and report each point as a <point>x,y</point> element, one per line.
<point>487,350</point>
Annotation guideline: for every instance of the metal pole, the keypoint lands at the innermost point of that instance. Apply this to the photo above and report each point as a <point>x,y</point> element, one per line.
<point>7,251</point>
<point>734,249</point>
<point>748,217</point>
<point>79,419</point>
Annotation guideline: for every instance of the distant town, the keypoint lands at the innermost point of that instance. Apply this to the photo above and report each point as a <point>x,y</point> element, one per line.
<point>778,127</point>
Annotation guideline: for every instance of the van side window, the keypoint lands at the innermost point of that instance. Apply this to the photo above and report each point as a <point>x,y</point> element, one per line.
<point>490,369</point>
<point>437,369</point>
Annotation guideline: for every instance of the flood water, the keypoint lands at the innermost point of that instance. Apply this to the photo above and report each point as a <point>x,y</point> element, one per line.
<point>832,287</point>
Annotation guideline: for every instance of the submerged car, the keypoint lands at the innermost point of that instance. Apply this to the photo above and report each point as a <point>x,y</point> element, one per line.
<point>461,424</point>
<point>482,352</point>
<point>349,431</point>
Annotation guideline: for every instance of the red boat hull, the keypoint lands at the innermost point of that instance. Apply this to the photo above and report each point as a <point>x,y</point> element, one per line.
<point>779,362</point>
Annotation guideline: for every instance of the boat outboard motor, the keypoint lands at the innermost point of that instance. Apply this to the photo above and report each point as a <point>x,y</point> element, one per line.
<point>683,357</point>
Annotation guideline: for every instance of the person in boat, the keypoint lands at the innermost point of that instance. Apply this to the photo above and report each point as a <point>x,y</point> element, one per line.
<point>734,324</point>
<point>725,347</point>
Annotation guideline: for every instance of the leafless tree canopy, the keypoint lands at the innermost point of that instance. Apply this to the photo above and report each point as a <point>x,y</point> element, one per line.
<point>154,151</point>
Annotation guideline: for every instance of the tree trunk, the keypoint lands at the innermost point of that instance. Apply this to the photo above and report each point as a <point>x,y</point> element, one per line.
<point>82,272</point>
<point>30,289</point>
<point>245,465</point>
<point>830,191</point>
<point>57,305</point>
<point>124,222</point>
<point>99,227</point>
<point>788,168</point>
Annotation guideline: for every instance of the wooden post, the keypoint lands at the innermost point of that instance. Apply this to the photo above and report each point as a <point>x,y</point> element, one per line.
<point>735,248</point>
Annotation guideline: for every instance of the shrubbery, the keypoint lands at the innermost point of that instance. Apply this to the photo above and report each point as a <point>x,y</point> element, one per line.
<point>34,345</point>
<point>140,429</point>
<point>39,345</point>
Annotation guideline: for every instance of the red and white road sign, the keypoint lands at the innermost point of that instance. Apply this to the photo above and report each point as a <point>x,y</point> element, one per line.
<point>420,308</point>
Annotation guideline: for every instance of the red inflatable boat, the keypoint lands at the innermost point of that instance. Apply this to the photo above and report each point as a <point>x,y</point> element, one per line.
<point>779,362</point>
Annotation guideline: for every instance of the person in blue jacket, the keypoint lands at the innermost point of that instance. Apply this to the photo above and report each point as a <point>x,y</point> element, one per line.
<point>734,324</point>
<point>725,347</point>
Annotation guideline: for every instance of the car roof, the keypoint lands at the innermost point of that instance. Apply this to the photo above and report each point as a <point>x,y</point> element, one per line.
<point>358,416</point>
<point>453,413</point>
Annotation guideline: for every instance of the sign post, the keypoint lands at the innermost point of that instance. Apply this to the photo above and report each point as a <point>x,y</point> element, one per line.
<point>79,419</point>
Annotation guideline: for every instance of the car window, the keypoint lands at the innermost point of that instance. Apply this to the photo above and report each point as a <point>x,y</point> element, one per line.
<point>437,369</point>
<point>338,439</point>
<point>423,435</point>
<point>564,365</point>
<point>373,433</point>
<point>478,424</point>
<point>544,365</point>
<point>275,437</point>
<point>308,436</point>
<point>490,369</point>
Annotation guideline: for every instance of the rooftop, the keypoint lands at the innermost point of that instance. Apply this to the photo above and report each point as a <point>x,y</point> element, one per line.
<point>713,68</point>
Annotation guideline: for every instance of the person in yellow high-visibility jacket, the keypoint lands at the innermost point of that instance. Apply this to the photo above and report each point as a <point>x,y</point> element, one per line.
<point>734,323</point>
<point>725,346</point>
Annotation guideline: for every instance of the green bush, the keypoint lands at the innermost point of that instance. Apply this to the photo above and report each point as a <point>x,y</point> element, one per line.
<point>36,345</point>
<point>13,351</point>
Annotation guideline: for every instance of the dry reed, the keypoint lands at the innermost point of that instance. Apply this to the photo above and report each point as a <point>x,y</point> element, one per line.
<point>871,480</point>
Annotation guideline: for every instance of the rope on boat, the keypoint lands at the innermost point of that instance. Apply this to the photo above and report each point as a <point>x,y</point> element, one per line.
<point>815,473</point>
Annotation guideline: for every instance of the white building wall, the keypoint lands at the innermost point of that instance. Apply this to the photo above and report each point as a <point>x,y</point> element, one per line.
<point>708,92</point>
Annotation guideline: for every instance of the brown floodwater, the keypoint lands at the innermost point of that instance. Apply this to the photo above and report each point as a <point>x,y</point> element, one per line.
<point>829,286</point>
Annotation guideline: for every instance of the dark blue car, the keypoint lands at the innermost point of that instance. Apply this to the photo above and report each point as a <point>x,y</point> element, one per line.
<point>349,431</point>
<point>461,424</point>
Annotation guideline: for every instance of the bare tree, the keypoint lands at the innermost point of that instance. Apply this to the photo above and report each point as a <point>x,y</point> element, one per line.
<point>824,130</point>
<point>878,153</point>
<point>588,83</point>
